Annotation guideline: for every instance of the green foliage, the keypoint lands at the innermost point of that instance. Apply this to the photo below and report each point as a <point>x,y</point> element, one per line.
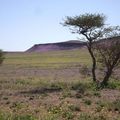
<point>92,86</point>
<point>113,85</point>
<point>86,21</point>
<point>89,25</point>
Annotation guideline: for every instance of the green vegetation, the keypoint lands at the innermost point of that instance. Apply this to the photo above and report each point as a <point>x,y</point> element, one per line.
<point>4,116</point>
<point>48,59</point>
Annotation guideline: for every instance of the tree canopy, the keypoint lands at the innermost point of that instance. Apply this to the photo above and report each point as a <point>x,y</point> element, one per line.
<point>89,25</point>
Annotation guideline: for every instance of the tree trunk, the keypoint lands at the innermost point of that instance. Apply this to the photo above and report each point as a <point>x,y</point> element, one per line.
<point>106,78</point>
<point>93,63</point>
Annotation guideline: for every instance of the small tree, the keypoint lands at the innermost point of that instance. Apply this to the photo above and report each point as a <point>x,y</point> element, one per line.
<point>90,26</point>
<point>1,57</point>
<point>108,52</point>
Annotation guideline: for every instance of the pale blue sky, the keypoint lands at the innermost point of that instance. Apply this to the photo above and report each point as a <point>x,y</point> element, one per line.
<point>27,22</point>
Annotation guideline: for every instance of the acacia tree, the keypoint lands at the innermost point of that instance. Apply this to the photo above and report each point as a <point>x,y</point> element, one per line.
<point>93,28</point>
<point>108,52</point>
<point>90,26</point>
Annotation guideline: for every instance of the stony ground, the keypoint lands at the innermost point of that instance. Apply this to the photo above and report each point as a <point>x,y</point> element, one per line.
<point>55,86</point>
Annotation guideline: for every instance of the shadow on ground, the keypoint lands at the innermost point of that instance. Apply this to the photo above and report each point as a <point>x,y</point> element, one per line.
<point>41,91</point>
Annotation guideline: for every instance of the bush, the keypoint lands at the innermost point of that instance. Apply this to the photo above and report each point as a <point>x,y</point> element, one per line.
<point>114,85</point>
<point>114,106</point>
<point>87,102</point>
<point>81,88</point>
<point>1,56</point>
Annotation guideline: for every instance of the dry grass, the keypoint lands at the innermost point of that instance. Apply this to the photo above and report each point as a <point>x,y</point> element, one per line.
<point>53,86</point>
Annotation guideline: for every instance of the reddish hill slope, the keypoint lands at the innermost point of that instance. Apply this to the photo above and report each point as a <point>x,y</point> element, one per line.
<point>72,44</point>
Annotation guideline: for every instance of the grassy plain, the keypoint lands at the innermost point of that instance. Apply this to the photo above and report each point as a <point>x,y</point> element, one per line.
<point>54,86</point>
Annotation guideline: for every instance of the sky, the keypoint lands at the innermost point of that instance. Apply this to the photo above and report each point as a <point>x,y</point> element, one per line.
<point>24,23</point>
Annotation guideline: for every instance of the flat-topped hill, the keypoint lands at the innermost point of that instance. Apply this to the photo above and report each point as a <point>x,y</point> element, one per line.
<point>68,45</point>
